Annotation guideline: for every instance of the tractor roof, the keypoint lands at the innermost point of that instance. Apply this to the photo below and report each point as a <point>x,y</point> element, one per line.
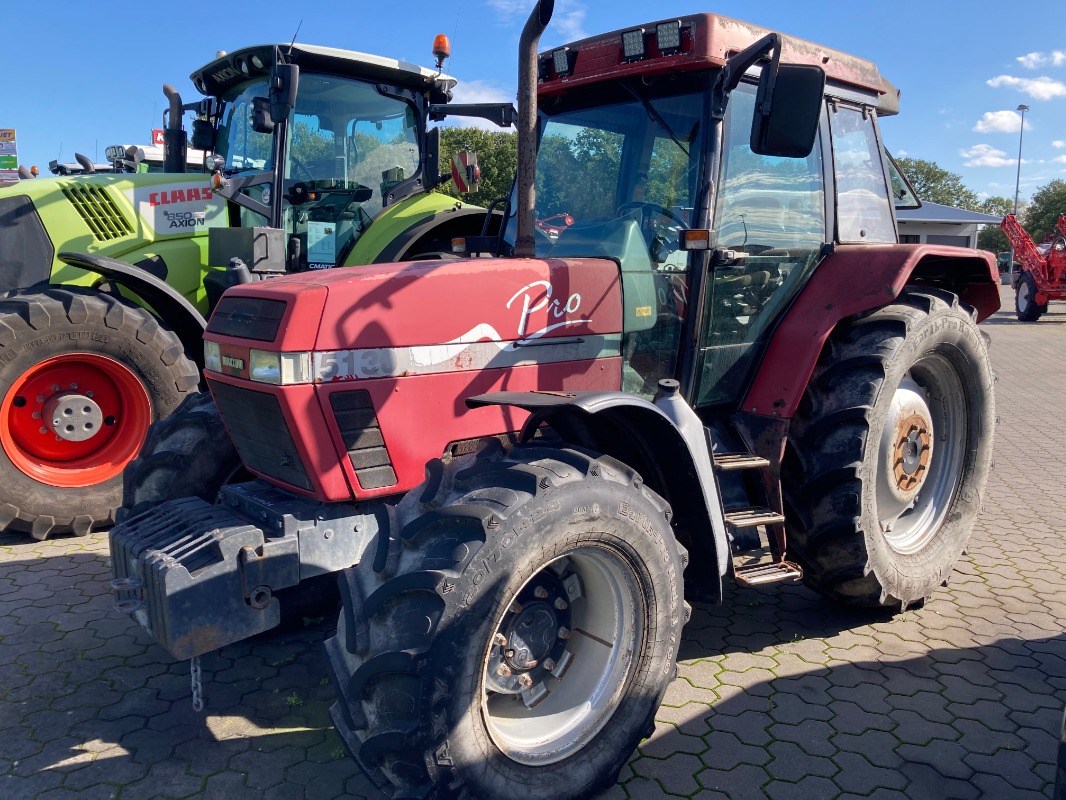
<point>705,41</point>
<point>240,65</point>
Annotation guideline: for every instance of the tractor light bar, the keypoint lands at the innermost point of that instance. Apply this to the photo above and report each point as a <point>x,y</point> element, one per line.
<point>633,45</point>
<point>279,369</point>
<point>212,357</point>
<point>563,62</point>
<point>695,239</point>
<point>668,37</point>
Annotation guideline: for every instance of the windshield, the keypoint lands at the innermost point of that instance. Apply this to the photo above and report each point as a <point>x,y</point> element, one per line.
<point>620,177</point>
<point>349,146</point>
<point>633,163</point>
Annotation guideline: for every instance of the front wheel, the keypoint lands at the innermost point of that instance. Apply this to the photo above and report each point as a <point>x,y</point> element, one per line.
<point>514,633</point>
<point>1025,305</point>
<point>890,451</point>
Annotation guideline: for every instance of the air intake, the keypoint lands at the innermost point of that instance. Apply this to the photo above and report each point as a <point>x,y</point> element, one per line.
<point>361,434</point>
<point>99,211</point>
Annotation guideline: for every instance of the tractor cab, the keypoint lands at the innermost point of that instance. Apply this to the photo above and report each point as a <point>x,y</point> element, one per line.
<point>317,141</point>
<point>641,155</point>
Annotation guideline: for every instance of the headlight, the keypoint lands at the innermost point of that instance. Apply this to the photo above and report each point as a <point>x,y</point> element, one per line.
<point>212,357</point>
<point>279,369</point>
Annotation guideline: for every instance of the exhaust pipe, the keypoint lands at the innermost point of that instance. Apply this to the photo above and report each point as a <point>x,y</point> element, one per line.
<point>525,244</point>
<point>174,137</point>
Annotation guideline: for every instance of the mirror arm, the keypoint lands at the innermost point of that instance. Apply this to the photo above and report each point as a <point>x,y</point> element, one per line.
<point>735,67</point>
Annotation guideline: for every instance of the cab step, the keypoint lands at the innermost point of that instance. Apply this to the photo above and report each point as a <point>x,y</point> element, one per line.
<point>730,462</point>
<point>773,572</point>
<point>753,517</point>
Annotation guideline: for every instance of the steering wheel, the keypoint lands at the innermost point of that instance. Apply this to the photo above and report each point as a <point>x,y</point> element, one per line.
<point>298,164</point>
<point>654,207</point>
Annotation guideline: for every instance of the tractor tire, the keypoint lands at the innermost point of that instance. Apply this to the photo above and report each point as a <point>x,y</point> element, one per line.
<point>1025,305</point>
<point>189,454</point>
<point>82,377</point>
<point>889,453</point>
<point>514,632</point>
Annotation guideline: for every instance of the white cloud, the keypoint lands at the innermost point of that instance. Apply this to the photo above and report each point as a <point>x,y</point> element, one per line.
<point>1058,144</point>
<point>478,92</point>
<point>1056,58</point>
<point>901,154</point>
<point>567,23</point>
<point>999,122</point>
<point>1042,88</point>
<point>1059,159</point>
<point>984,155</point>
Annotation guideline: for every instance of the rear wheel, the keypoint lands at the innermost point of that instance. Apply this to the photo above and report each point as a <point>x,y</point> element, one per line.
<point>1025,305</point>
<point>890,451</point>
<point>514,633</point>
<point>82,377</point>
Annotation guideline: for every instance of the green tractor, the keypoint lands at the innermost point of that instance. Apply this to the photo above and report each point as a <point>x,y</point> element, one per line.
<point>107,278</point>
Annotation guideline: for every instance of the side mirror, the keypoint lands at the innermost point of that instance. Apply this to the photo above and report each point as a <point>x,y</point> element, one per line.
<point>788,106</point>
<point>203,135</point>
<point>261,119</point>
<point>284,80</point>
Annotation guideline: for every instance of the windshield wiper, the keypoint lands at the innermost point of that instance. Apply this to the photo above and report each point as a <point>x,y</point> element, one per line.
<point>656,117</point>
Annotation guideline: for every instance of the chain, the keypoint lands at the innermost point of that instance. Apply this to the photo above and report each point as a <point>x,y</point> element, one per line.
<point>197,686</point>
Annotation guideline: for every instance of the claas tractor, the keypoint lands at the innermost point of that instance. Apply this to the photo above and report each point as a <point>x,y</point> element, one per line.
<point>1042,277</point>
<point>524,467</point>
<point>107,279</point>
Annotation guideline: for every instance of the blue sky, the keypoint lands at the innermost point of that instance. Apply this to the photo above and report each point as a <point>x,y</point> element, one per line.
<point>75,80</point>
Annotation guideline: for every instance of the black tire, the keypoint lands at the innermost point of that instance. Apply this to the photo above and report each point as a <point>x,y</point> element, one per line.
<point>47,331</point>
<point>1025,305</point>
<point>864,445</point>
<point>417,636</point>
<point>189,454</point>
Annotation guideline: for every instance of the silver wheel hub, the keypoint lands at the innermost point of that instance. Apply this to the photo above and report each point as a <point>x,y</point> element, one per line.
<point>560,656</point>
<point>73,417</point>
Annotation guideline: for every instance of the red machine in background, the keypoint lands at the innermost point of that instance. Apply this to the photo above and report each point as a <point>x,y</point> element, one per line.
<point>1043,274</point>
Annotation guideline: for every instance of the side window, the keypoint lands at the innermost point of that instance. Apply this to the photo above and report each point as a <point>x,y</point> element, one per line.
<point>771,213</point>
<point>863,206</point>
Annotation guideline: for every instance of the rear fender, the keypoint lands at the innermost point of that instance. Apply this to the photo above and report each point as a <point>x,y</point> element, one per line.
<point>851,280</point>
<point>169,305</point>
<point>639,434</point>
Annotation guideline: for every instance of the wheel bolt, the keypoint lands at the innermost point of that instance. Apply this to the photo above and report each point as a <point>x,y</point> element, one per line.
<point>561,604</point>
<point>36,415</point>
<point>88,394</point>
<point>74,387</point>
<point>55,387</point>
<point>44,429</point>
<point>516,608</point>
<point>564,633</point>
<point>509,653</point>
<point>40,398</point>
<point>540,592</point>
<point>500,640</point>
<point>503,670</point>
<point>525,681</point>
<point>549,664</point>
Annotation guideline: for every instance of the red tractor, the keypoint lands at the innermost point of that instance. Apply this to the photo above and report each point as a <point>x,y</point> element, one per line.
<point>522,465</point>
<point>1043,274</point>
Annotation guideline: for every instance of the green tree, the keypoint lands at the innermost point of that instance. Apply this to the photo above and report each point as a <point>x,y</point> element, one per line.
<point>1042,213</point>
<point>990,236</point>
<point>497,155</point>
<point>935,184</point>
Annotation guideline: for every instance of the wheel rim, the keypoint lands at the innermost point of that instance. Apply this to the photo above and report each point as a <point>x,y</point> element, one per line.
<point>74,420</point>
<point>922,454</point>
<point>561,654</point>
<point>1023,295</point>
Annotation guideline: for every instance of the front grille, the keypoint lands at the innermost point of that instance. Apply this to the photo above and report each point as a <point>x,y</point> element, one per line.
<point>95,206</point>
<point>247,318</point>
<point>361,434</point>
<point>258,430</point>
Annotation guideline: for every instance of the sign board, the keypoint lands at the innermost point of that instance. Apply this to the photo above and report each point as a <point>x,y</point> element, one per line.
<point>9,175</point>
<point>8,152</point>
<point>157,136</point>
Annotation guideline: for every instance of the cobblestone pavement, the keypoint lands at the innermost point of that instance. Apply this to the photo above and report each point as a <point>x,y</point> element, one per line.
<point>779,695</point>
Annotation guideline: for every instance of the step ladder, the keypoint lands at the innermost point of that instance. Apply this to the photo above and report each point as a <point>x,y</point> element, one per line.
<point>765,564</point>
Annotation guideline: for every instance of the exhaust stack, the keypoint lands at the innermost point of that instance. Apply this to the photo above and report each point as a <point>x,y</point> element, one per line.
<point>525,244</point>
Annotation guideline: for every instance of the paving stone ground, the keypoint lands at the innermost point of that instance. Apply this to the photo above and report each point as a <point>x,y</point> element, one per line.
<point>779,695</point>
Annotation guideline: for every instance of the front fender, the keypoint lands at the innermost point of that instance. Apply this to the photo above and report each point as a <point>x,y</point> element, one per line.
<point>639,434</point>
